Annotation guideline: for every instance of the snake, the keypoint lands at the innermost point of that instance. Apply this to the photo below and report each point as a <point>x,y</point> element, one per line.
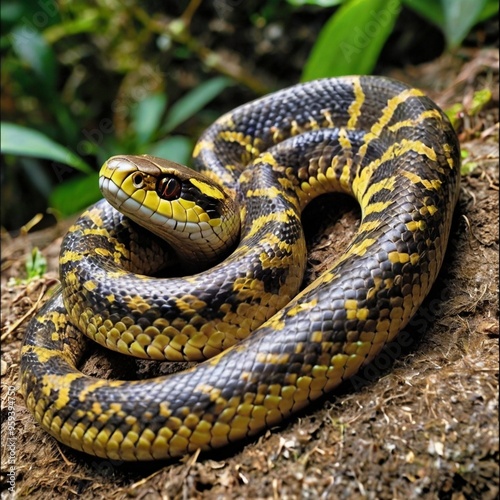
<point>215,273</point>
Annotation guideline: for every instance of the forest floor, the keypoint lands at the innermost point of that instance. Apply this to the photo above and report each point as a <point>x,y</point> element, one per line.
<point>419,422</point>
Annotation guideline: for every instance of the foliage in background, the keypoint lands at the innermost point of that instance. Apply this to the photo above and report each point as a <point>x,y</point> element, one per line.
<point>454,17</point>
<point>46,44</point>
<point>82,81</point>
<point>352,39</point>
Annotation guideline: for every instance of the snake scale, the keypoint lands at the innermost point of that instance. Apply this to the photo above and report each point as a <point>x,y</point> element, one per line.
<point>270,349</point>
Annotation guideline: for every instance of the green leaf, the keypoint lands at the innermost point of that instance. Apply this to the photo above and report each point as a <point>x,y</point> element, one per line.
<point>455,18</point>
<point>454,113</point>
<point>194,101</point>
<point>351,40</point>
<point>74,195</point>
<point>460,16</point>
<point>175,148</point>
<point>22,141</point>
<point>32,49</point>
<point>146,116</point>
<point>479,100</point>
<point>35,264</point>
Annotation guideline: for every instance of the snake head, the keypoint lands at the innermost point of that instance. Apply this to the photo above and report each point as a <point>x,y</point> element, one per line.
<point>191,212</point>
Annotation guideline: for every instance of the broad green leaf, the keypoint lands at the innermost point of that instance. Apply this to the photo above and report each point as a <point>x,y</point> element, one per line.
<point>147,115</point>
<point>74,195</point>
<point>33,50</point>
<point>455,18</point>
<point>351,40</point>
<point>193,101</point>
<point>175,148</point>
<point>22,141</point>
<point>460,16</point>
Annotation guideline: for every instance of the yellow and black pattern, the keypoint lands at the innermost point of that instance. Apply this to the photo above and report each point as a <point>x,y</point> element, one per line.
<point>384,143</point>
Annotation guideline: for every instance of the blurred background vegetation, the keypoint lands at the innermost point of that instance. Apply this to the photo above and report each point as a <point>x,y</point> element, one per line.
<point>82,81</point>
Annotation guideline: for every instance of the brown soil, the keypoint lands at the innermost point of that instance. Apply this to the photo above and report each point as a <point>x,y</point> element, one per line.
<point>420,422</point>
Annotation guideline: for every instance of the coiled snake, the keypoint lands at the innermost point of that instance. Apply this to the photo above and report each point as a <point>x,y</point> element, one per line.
<point>384,143</point>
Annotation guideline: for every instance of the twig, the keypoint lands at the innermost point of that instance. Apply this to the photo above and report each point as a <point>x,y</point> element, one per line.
<point>32,309</point>
<point>188,14</point>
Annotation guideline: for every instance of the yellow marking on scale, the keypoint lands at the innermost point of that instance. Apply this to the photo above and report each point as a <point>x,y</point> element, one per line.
<point>201,145</point>
<point>139,195</point>
<point>346,170</point>
<point>358,249</point>
<point>313,124</point>
<point>70,256</point>
<point>361,182</point>
<point>304,306</point>
<point>90,388</point>
<point>90,285</point>
<point>377,207</point>
<point>270,192</point>
<point>388,183</point>
<point>42,354</point>
<point>432,209</point>
<point>268,158</point>
<point>127,186</point>
<point>387,114</point>
<point>178,211</point>
<point>187,204</point>
<point>328,117</point>
<point>95,216</point>
<point>239,138</point>
<point>207,189</point>
<point>210,390</point>
<point>153,202</point>
<point>449,159</point>
<point>63,385</point>
<point>355,107</point>
<point>295,128</point>
<point>369,226</point>
<point>434,184</point>
<point>390,108</point>
<point>96,231</point>
<point>273,358</point>
<point>276,323</point>
<point>430,113</point>
<point>261,221</point>
<point>115,176</point>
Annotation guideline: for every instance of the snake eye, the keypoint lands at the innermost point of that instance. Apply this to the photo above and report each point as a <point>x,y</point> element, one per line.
<point>138,180</point>
<point>168,188</point>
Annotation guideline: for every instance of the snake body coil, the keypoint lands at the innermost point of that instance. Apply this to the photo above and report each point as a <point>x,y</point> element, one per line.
<point>384,143</point>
